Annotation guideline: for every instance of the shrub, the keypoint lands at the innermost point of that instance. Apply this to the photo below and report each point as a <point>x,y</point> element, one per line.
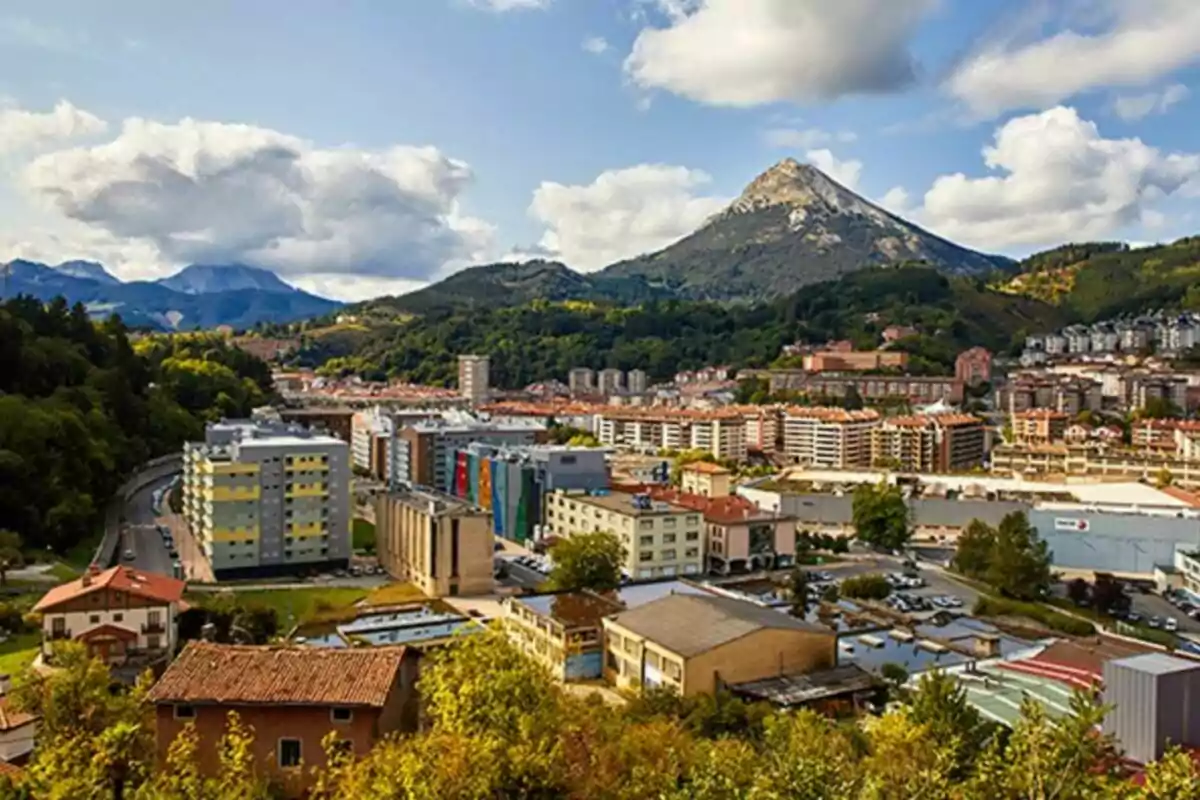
<point>1054,620</point>
<point>866,587</point>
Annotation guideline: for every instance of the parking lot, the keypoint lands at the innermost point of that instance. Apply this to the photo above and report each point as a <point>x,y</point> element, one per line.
<point>935,583</point>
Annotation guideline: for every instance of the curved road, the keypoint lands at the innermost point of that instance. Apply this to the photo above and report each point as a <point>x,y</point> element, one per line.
<point>139,534</point>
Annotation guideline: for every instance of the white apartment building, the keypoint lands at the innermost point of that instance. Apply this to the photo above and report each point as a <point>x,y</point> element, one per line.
<point>828,437</point>
<point>581,380</point>
<point>473,378</point>
<point>610,381</point>
<point>722,433</point>
<point>660,539</point>
<point>637,381</point>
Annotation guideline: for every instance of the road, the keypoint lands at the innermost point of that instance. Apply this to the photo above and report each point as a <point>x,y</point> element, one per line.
<point>139,535</point>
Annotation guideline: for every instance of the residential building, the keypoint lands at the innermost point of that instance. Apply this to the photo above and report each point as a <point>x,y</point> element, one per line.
<point>637,381</point>
<point>694,644</point>
<point>1039,426</point>
<point>436,541</point>
<point>337,422</point>
<point>561,631</point>
<point>1142,389</point>
<point>581,380</point>
<point>918,390</point>
<point>509,482</point>
<point>264,499</point>
<point>894,333</point>
<point>762,427</point>
<point>1104,339</point>
<point>1095,461</point>
<point>292,698</point>
<point>474,378</point>
<point>931,443</point>
<point>660,539</point>
<point>706,479</point>
<point>426,452</point>
<point>721,433</point>
<point>1066,393</point>
<point>1134,338</point>
<point>121,615</point>
<point>973,366</point>
<point>610,381</point>
<point>855,361</point>
<point>828,437</point>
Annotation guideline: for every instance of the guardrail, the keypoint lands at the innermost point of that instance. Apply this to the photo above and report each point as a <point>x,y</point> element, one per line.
<point>153,470</point>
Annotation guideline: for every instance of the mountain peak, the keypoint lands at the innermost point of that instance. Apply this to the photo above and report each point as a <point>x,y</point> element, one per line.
<point>791,183</point>
<point>206,278</point>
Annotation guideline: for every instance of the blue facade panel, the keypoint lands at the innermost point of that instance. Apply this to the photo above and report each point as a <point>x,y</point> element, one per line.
<point>584,666</point>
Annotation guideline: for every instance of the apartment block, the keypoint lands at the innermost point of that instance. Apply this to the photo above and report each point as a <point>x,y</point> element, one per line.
<point>474,378</point>
<point>973,366</point>
<point>1039,426</point>
<point>828,437</point>
<point>581,380</point>
<point>930,443</point>
<point>920,390</point>
<point>660,539</point>
<point>855,361</point>
<point>267,499</point>
<point>374,438</point>
<point>721,433</point>
<point>762,428</point>
<point>426,452</point>
<point>637,381</point>
<point>438,542</point>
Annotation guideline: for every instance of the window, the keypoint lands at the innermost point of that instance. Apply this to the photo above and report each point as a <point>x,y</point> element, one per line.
<point>692,536</point>
<point>94,619</point>
<point>693,552</point>
<point>118,617</point>
<point>669,522</point>
<point>646,541</point>
<point>646,555</point>
<point>668,555</point>
<point>153,643</point>
<point>646,524</point>
<point>341,714</point>
<point>185,712</point>
<point>289,753</point>
<point>668,538</point>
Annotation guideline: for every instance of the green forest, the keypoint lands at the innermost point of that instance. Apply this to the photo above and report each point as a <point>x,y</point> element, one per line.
<point>81,406</point>
<point>541,340</point>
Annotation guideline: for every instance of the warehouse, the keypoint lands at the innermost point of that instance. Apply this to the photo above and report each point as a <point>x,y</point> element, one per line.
<point>1133,543</point>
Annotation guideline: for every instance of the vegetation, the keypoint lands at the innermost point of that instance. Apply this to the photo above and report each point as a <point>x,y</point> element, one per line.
<point>881,517</point>
<point>363,533</point>
<point>866,587</point>
<point>81,407</point>
<point>498,726</point>
<point>541,339</point>
<point>11,556</point>
<point>587,561</point>
<point>1011,558</point>
<point>987,606</point>
<point>798,590</point>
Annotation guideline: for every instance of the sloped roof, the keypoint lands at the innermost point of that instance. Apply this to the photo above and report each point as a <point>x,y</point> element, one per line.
<point>10,718</point>
<point>148,585</point>
<point>224,674</point>
<point>690,624</point>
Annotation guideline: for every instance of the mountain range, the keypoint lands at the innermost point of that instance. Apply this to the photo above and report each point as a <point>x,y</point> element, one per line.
<point>792,226</point>
<point>198,296</point>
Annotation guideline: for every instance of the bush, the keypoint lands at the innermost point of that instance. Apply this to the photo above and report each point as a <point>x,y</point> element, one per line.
<point>1000,607</point>
<point>866,587</point>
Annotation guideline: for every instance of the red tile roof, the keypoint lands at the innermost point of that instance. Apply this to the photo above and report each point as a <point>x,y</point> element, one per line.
<point>226,674</point>
<point>10,718</point>
<point>148,585</point>
<point>706,468</point>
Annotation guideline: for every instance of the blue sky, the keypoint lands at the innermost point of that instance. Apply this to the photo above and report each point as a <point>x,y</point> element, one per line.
<point>382,145</point>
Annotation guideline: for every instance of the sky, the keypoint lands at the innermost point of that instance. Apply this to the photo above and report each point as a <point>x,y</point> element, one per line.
<point>370,147</point>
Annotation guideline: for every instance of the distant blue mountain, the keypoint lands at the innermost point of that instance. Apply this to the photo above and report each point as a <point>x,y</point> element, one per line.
<point>241,299</point>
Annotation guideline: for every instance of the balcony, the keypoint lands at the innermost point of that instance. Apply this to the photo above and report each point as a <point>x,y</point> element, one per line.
<point>154,627</point>
<point>56,635</point>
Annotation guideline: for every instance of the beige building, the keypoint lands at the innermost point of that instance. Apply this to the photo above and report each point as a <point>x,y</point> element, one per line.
<point>706,479</point>
<point>438,542</point>
<point>473,378</point>
<point>697,644</point>
<point>660,539</point>
<point>562,632</point>
<point>1109,463</point>
<point>1039,426</point>
<point>828,437</point>
<point>929,443</point>
<point>721,433</point>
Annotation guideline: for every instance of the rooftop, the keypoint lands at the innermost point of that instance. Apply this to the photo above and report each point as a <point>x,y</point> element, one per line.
<point>624,504</point>
<point>1157,664</point>
<point>829,414</point>
<point>689,625</point>
<point>707,468</point>
<point>431,501</point>
<point>147,585</point>
<point>792,690</point>
<point>572,609</point>
<point>224,674</point>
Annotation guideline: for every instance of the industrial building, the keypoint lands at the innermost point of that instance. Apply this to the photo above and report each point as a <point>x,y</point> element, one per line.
<point>1154,704</point>
<point>1133,543</point>
<point>509,482</point>
<point>263,499</point>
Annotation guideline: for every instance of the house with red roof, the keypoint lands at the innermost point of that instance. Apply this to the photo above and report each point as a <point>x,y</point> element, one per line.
<point>122,615</point>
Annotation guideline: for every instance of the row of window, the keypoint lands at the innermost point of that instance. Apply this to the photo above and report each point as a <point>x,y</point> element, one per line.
<point>669,538</point>
<point>668,555</point>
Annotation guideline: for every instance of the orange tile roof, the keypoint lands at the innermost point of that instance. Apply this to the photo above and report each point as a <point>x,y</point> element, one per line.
<point>148,585</point>
<point>226,674</point>
<point>1191,498</point>
<point>831,414</point>
<point>1040,413</point>
<point>707,468</point>
<point>10,718</point>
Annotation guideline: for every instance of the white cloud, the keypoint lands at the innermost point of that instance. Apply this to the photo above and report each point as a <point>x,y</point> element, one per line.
<point>1135,107</point>
<point>621,214</point>
<point>510,5</point>
<point>896,200</point>
<point>1143,41</point>
<point>751,52</point>
<point>198,191</point>
<point>356,288</point>
<point>1060,181</point>
<point>806,138</point>
<point>846,172</point>
<point>22,130</point>
<point>596,45</point>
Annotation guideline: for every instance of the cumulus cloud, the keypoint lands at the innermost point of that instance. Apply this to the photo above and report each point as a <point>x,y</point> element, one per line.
<point>806,138</point>
<point>596,45</point>
<point>1142,41</point>
<point>751,52</point>
<point>22,130</point>
<point>1135,107</point>
<point>1060,180</point>
<point>211,192</point>
<point>621,214</point>
<point>896,200</point>
<point>845,172</point>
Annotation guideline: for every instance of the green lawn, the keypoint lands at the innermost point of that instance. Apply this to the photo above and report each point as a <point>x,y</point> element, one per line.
<point>297,606</point>
<point>18,652</point>
<point>364,535</point>
<point>81,554</point>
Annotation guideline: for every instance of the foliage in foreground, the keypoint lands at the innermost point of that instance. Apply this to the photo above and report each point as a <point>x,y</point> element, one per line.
<point>497,727</point>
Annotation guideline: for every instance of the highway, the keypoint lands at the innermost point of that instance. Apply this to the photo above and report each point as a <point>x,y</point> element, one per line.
<point>139,535</point>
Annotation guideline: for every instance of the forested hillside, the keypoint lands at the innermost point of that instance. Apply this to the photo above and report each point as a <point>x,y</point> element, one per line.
<point>542,339</point>
<point>81,406</point>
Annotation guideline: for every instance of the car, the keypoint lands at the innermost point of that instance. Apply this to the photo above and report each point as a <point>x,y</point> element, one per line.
<point>1154,622</point>
<point>1170,624</point>
<point>129,556</point>
<point>1133,616</point>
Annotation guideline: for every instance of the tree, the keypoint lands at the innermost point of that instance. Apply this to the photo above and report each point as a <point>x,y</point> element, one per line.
<point>1158,408</point>
<point>1108,595</point>
<point>894,673</point>
<point>1164,478</point>
<point>881,517</point>
<point>866,587</point>
<point>940,702</point>
<point>11,556</point>
<point>587,561</point>
<point>852,400</point>
<point>973,552</point>
<point>798,588</point>
<point>1079,592</point>
<point>1020,562</point>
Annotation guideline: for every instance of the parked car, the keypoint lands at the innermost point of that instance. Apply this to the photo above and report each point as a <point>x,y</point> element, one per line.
<point>1170,624</point>
<point>1154,622</point>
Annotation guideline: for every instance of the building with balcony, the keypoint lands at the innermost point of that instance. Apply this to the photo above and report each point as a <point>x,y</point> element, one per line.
<point>661,539</point>
<point>828,437</point>
<point>929,443</point>
<point>438,542</point>
<point>1039,426</point>
<point>973,366</point>
<point>426,451</point>
<point>474,378</point>
<point>721,432</point>
<point>262,499</point>
<point>121,615</point>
